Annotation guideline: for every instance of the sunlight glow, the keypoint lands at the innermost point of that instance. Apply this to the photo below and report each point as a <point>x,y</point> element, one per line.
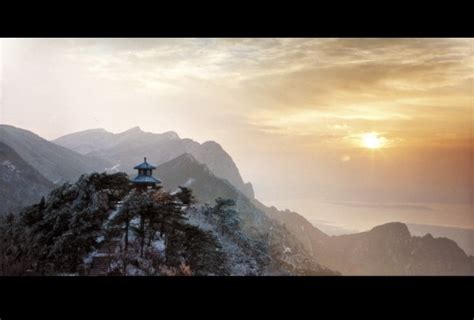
<point>372,140</point>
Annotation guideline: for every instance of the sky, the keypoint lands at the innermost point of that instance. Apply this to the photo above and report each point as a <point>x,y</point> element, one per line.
<point>296,115</point>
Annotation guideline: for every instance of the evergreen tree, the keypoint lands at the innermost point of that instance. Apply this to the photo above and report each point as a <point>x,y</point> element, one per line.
<point>204,254</point>
<point>227,216</point>
<point>186,196</point>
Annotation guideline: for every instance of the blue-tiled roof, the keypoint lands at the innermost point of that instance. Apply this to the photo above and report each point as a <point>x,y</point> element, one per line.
<point>144,165</point>
<point>141,179</point>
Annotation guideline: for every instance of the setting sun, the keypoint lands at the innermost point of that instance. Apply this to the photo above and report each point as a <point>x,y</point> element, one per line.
<point>372,140</point>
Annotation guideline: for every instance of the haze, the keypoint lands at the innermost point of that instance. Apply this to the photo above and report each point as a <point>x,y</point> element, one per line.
<point>293,114</point>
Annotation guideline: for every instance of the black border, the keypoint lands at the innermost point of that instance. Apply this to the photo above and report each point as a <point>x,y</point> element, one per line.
<point>291,297</point>
<point>168,19</point>
<point>249,297</point>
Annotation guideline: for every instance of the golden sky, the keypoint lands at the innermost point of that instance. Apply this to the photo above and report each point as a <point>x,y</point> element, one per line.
<point>303,105</point>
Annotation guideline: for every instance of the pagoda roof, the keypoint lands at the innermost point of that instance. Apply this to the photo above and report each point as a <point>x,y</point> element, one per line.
<point>142,179</point>
<point>144,165</point>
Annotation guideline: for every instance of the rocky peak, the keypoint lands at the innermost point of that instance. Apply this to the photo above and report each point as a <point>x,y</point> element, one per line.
<point>212,145</point>
<point>133,130</point>
<point>393,230</point>
<point>171,135</point>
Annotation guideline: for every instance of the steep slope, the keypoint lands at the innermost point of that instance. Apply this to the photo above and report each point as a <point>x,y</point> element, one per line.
<point>307,234</point>
<point>287,252</point>
<point>56,163</point>
<point>123,148</point>
<point>20,184</point>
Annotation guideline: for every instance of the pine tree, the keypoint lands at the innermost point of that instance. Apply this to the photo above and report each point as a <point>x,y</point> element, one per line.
<point>186,196</point>
<point>204,254</point>
<point>227,217</point>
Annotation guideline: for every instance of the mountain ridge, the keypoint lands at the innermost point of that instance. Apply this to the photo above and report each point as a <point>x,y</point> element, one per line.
<point>57,163</point>
<point>121,149</point>
<point>364,253</point>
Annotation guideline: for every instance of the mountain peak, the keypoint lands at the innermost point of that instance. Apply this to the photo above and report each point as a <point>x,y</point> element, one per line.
<point>170,135</point>
<point>186,157</point>
<point>397,228</point>
<point>135,129</point>
<point>212,144</point>
<point>96,130</point>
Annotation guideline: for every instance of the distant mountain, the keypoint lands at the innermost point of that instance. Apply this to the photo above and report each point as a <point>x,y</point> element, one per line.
<point>81,141</point>
<point>388,249</point>
<point>287,252</point>
<point>20,183</point>
<point>125,150</point>
<point>463,237</point>
<point>56,163</point>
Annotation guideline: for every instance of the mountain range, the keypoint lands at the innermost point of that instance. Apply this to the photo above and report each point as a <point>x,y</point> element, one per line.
<point>54,162</point>
<point>210,172</point>
<point>122,149</point>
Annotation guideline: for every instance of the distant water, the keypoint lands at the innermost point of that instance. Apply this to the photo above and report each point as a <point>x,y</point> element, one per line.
<point>454,221</point>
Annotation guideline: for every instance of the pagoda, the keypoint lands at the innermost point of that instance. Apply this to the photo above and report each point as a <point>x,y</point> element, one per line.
<point>145,178</point>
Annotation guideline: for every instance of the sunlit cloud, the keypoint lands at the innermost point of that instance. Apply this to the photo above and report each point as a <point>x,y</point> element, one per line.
<point>345,158</point>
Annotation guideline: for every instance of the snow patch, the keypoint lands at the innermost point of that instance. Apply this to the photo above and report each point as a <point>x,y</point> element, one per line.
<point>113,168</point>
<point>9,165</point>
<point>114,213</point>
<point>159,245</point>
<point>187,184</point>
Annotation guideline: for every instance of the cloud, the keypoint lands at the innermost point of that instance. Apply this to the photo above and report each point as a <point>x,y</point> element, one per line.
<point>390,206</point>
<point>285,86</point>
<point>345,158</point>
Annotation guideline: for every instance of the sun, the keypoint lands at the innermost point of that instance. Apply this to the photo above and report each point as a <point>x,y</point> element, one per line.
<point>372,140</point>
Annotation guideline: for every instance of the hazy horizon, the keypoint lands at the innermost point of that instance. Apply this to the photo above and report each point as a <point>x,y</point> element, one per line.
<point>350,131</point>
